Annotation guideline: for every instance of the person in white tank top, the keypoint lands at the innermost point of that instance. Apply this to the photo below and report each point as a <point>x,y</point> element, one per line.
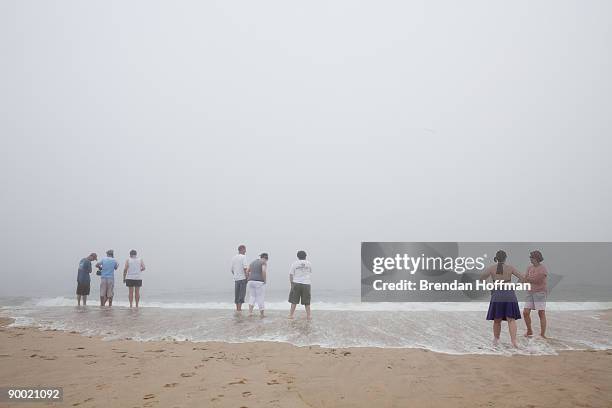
<point>132,276</point>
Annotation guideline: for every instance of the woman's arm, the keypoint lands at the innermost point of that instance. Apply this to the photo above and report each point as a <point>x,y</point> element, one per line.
<point>519,275</point>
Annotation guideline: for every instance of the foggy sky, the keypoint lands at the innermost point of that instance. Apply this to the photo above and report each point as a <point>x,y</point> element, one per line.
<point>183,129</point>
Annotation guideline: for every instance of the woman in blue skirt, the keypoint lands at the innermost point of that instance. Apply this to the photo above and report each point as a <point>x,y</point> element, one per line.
<point>503,305</point>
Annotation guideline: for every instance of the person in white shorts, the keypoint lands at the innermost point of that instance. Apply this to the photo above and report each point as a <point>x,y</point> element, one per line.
<point>256,285</point>
<point>536,297</point>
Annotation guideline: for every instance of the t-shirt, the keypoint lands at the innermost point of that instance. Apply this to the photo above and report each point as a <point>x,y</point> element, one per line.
<point>108,267</point>
<point>84,271</point>
<point>239,264</point>
<point>536,275</point>
<point>256,270</point>
<point>134,271</point>
<point>301,270</point>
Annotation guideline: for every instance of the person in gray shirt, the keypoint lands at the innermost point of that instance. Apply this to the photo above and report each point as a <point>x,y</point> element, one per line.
<point>256,285</point>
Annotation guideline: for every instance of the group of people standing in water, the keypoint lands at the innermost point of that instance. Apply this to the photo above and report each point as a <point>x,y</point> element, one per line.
<point>504,304</point>
<point>106,267</point>
<point>251,278</point>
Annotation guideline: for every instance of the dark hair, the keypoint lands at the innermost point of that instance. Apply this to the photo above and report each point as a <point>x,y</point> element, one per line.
<point>500,258</point>
<point>241,248</point>
<point>263,255</point>
<point>301,255</point>
<point>537,255</point>
<point>110,252</point>
<point>132,252</point>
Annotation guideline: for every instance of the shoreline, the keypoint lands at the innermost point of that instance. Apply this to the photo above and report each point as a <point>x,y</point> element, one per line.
<point>97,372</point>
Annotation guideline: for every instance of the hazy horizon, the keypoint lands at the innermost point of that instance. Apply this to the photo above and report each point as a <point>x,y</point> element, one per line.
<point>185,129</point>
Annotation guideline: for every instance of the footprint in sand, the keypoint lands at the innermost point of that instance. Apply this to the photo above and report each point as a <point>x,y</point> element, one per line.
<point>148,396</point>
<point>82,402</point>
<point>170,385</point>
<point>241,381</point>
<point>187,374</point>
<point>155,351</point>
<point>247,394</point>
<point>273,382</point>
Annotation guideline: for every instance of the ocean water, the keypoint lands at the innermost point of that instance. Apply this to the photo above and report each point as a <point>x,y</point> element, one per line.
<point>338,321</point>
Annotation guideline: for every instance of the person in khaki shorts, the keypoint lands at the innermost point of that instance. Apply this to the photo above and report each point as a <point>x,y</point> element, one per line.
<point>107,266</point>
<point>299,277</point>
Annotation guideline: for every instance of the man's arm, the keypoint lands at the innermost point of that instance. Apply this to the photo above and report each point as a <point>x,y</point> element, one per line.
<point>264,269</point>
<point>125,269</point>
<point>291,272</point>
<point>142,266</point>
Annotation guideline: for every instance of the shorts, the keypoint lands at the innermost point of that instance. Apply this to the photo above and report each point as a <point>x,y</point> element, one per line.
<point>240,291</point>
<point>535,301</point>
<point>107,287</point>
<point>83,288</point>
<point>257,292</point>
<point>299,291</point>
<point>133,283</point>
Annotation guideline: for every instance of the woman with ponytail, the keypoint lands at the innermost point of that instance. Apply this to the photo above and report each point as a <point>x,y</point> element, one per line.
<point>503,305</point>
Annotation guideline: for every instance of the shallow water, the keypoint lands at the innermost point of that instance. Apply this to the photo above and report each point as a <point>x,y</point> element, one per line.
<point>456,328</point>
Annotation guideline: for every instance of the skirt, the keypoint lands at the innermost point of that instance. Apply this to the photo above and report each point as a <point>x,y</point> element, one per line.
<point>503,305</point>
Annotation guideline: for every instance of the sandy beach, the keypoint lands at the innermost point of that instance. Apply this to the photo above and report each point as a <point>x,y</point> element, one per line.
<point>126,373</point>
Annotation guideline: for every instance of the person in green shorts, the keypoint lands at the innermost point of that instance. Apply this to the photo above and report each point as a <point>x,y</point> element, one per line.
<point>299,277</point>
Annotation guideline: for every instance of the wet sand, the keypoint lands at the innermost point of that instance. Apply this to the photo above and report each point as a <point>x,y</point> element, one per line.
<point>97,373</point>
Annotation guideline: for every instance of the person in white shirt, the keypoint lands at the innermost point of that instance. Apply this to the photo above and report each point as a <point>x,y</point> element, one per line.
<point>299,277</point>
<point>239,270</point>
<point>132,276</point>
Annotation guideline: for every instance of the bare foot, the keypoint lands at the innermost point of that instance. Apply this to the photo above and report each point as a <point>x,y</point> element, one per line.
<point>529,334</point>
<point>515,344</point>
<point>495,342</point>
<point>543,336</point>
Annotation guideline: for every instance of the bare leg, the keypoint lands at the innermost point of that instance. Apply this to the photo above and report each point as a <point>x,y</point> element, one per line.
<point>110,301</point>
<point>496,330</point>
<point>542,316</point>
<point>527,317</point>
<point>512,329</point>
<point>137,295</point>
<point>292,310</point>
<point>238,307</point>
<point>307,307</point>
<point>131,295</point>
<point>261,312</point>
<point>251,309</point>
<point>102,301</point>
<point>79,300</point>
